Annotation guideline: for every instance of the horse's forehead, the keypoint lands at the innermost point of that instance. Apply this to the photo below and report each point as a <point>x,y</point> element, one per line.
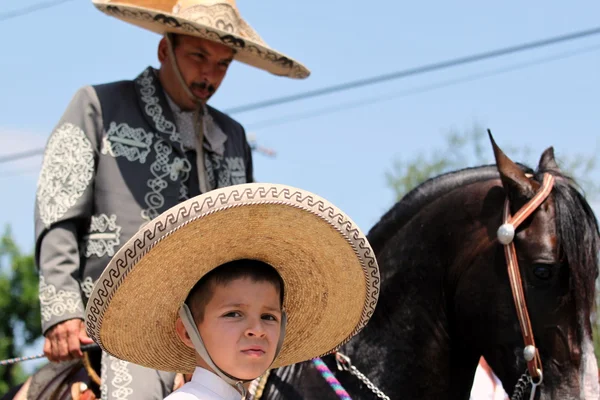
<point>539,238</point>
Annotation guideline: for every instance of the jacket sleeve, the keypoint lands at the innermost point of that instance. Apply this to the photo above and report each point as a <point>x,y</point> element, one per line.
<point>63,207</point>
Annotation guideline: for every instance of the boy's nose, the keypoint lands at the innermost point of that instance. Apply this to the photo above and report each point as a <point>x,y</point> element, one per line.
<point>255,328</point>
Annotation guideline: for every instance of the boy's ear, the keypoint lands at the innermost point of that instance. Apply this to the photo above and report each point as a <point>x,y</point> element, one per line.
<point>182,333</point>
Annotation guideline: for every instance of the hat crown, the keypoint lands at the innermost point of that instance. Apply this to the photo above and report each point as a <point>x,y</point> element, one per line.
<point>160,5</point>
<point>169,5</point>
<point>219,14</point>
<point>182,5</point>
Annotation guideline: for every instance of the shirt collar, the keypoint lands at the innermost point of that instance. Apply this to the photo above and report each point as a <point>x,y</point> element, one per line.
<point>215,384</point>
<point>215,137</point>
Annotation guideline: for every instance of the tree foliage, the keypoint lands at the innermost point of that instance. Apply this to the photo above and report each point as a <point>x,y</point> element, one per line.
<point>20,323</point>
<point>472,147</point>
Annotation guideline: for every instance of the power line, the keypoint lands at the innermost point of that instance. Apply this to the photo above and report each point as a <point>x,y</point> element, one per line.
<point>266,123</point>
<point>378,79</point>
<point>18,156</point>
<point>415,71</point>
<point>31,9</point>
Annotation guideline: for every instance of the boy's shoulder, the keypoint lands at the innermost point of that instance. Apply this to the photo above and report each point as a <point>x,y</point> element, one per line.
<point>180,395</point>
<point>193,391</point>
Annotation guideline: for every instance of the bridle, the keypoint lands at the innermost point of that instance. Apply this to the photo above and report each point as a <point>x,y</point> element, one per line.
<point>506,235</point>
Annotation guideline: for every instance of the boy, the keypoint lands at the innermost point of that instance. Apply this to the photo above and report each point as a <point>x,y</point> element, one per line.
<point>237,310</point>
<point>208,286</point>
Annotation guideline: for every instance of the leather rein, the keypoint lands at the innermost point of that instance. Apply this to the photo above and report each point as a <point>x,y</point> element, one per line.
<point>506,234</point>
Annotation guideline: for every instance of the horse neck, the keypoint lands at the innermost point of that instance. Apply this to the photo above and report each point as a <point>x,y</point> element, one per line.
<point>408,346</point>
<point>407,349</point>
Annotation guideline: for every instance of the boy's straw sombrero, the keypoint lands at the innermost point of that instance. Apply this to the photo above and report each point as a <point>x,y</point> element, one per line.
<point>330,274</point>
<point>216,20</point>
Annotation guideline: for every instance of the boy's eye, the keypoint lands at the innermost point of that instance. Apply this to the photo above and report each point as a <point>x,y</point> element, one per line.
<point>232,314</point>
<point>270,317</point>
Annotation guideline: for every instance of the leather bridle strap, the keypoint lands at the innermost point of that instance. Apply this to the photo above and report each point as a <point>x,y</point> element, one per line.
<point>506,235</point>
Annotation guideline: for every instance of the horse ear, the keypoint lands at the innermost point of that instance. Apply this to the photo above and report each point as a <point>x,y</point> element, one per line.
<point>515,182</point>
<point>547,161</point>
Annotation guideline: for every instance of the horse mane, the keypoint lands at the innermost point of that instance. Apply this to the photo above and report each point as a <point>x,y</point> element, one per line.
<point>403,211</point>
<point>579,238</point>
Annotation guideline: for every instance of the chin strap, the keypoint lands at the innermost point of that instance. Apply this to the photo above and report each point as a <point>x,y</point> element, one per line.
<point>173,60</point>
<point>198,114</point>
<point>194,334</point>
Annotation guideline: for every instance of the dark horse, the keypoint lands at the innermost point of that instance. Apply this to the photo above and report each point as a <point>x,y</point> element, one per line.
<point>446,299</point>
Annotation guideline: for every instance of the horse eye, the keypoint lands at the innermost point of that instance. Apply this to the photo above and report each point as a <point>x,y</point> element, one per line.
<point>542,271</point>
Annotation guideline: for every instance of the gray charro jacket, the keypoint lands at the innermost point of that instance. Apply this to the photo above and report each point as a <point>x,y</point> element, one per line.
<point>114,162</point>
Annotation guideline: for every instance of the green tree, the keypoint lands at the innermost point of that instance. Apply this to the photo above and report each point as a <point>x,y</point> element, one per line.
<point>472,147</point>
<point>20,323</point>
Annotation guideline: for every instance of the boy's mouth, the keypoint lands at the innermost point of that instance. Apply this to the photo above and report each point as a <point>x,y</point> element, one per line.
<point>255,351</point>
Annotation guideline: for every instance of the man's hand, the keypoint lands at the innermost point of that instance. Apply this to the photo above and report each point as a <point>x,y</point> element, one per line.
<point>63,341</point>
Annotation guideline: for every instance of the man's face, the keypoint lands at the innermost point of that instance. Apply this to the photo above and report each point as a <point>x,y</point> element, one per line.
<point>203,65</point>
<point>241,327</point>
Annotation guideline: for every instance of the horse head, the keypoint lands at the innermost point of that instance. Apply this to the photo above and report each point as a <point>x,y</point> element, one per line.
<point>536,328</point>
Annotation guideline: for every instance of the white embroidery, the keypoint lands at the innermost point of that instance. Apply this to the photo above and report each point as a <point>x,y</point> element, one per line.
<point>121,379</point>
<point>104,376</point>
<point>87,286</point>
<point>67,170</point>
<point>153,108</point>
<point>161,168</point>
<point>237,170</point>
<point>118,383</point>
<point>103,237</point>
<point>57,303</point>
<point>183,193</point>
<point>124,141</point>
<point>211,164</point>
<point>230,170</point>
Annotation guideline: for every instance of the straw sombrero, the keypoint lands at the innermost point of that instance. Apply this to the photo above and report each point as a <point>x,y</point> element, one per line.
<point>216,20</point>
<point>329,271</point>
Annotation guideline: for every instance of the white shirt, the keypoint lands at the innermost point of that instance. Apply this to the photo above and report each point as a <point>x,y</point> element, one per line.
<point>215,137</point>
<point>486,385</point>
<point>205,385</point>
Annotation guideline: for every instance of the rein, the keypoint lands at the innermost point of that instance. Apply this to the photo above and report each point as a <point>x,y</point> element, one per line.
<point>506,235</point>
<point>344,364</point>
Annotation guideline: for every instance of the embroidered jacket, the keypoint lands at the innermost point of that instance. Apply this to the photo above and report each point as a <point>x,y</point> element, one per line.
<point>114,162</point>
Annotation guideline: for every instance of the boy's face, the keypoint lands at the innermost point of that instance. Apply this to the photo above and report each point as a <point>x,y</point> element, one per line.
<point>241,327</point>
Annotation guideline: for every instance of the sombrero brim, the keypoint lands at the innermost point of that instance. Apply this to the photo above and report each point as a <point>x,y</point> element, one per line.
<point>247,51</point>
<point>327,265</point>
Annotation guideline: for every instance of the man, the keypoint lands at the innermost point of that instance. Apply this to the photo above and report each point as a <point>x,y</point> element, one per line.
<point>124,152</point>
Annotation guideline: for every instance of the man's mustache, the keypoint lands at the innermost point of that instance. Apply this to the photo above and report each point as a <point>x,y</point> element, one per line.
<point>203,86</point>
